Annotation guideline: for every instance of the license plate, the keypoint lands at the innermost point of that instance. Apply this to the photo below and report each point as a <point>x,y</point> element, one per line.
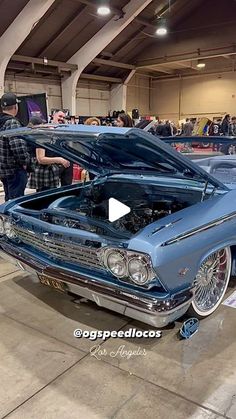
<point>52,283</point>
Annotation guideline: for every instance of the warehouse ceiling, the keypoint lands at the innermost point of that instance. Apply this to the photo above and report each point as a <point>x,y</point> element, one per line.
<point>197,30</point>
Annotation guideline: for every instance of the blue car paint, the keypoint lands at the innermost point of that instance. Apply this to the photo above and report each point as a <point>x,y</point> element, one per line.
<point>171,258</point>
<point>168,259</point>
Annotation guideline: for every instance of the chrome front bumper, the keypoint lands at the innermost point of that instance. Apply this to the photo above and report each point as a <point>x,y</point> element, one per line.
<point>146,309</point>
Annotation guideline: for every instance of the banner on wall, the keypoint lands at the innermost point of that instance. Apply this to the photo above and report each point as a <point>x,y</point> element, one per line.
<point>32,105</point>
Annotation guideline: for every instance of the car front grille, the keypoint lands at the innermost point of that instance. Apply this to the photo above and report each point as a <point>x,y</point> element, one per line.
<point>57,248</point>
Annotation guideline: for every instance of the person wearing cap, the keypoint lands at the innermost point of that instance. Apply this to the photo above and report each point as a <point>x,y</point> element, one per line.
<point>9,105</point>
<point>14,156</point>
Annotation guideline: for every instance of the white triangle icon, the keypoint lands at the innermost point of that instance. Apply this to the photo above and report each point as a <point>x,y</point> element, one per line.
<point>117,209</point>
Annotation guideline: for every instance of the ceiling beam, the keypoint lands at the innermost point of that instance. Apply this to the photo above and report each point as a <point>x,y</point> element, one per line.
<point>114,10</point>
<point>164,70</point>
<point>101,78</point>
<point>61,33</point>
<point>111,63</point>
<point>54,70</point>
<point>95,45</point>
<point>185,65</point>
<point>119,12</point>
<point>38,70</point>
<point>19,30</point>
<point>144,22</point>
<point>125,44</point>
<point>129,77</point>
<point>227,57</point>
<point>189,56</point>
<point>52,63</point>
<point>159,13</point>
<point>191,76</point>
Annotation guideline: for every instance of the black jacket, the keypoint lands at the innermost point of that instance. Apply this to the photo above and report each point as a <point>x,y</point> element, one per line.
<point>13,151</point>
<point>225,127</point>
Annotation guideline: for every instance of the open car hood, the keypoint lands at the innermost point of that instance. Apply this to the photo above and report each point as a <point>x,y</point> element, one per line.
<point>106,150</point>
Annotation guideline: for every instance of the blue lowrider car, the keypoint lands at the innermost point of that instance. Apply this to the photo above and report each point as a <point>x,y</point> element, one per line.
<point>173,251</point>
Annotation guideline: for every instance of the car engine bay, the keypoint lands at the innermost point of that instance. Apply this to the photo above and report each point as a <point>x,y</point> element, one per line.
<point>88,208</point>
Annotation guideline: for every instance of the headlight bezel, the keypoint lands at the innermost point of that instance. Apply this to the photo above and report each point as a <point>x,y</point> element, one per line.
<point>9,230</point>
<point>2,220</point>
<point>143,264</point>
<point>123,260</point>
<point>129,256</point>
<point>8,224</point>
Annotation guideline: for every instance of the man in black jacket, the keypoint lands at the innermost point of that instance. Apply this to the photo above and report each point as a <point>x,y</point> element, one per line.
<point>225,126</point>
<point>14,156</point>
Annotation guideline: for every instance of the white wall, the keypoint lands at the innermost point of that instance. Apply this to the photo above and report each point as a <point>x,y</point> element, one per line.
<point>24,86</point>
<point>209,96</point>
<point>138,94</point>
<point>92,98</point>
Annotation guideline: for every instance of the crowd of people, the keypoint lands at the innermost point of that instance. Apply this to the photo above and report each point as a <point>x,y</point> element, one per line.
<point>39,168</point>
<point>225,126</point>
<point>42,170</point>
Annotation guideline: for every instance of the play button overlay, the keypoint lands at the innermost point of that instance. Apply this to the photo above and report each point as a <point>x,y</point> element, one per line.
<point>117,209</point>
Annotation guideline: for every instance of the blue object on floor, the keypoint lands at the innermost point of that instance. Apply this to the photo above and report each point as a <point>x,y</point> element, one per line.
<point>189,328</point>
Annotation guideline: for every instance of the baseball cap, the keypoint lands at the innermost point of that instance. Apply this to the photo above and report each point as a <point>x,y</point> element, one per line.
<point>9,99</point>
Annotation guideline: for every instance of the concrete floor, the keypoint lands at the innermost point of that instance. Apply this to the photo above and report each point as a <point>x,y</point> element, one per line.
<point>46,373</point>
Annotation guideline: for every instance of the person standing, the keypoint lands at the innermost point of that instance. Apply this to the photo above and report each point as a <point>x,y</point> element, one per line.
<point>66,172</point>
<point>46,173</point>
<point>215,128</point>
<point>159,128</point>
<point>124,121</point>
<point>233,126</point>
<point>14,155</point>
<point>167,129</point>
<point>188,128</point>
<point>92,121</point>
<point>225,126</point>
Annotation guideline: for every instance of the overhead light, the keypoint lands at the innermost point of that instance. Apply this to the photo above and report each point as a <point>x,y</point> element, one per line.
<point>161,27</point>
<point>103,10</point>
<point>201,64</point>
<point>45,60</point>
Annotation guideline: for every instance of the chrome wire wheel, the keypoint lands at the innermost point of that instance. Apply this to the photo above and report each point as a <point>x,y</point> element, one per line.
<point>211,283</point>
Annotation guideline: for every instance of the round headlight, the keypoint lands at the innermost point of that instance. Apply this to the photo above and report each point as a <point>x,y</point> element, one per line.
<point>9,231</point>
<point>116,263</point>
<point>2,230</point>
<point>138,271</point>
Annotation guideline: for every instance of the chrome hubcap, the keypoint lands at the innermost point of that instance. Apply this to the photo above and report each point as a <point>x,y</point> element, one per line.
<point>211,281</point>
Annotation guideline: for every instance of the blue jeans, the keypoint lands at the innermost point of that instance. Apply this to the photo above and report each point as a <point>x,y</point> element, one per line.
<point>14,185</point>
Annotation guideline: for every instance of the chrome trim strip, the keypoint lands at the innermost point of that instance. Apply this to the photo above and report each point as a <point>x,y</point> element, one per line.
<point>132,300</point>
<point>200,229</point>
